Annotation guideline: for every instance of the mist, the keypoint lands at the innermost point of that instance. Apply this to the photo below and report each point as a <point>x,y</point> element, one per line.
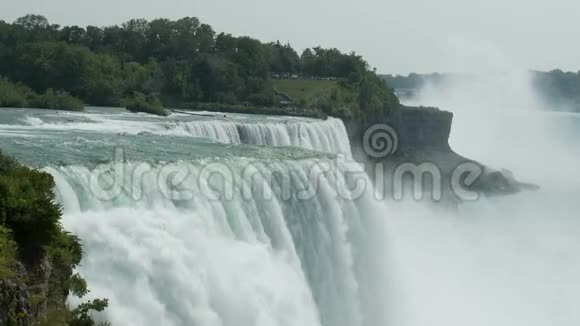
<point>499,261</point>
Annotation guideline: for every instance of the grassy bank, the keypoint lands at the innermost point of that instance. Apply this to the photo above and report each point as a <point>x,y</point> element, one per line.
<point>302,91</point>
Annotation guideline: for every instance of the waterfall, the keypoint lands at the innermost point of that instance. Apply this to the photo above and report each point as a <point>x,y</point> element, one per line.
<point>263,225</point>
<point>326,136</point>
<point>276,242</point>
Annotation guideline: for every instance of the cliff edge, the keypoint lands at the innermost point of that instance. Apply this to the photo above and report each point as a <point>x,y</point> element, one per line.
<point>413,142</point>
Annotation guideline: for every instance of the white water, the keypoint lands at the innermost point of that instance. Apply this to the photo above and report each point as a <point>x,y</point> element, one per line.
<point>502,261</point>
<point>263,256</point>
<point>322,135</point>
<point>510,261</point>
<point>240,261</point>
<point>326,136</point>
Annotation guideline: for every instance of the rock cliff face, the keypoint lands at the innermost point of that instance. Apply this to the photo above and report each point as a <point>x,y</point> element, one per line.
<point>423,128</point>
<point>14,304</point>
<point>413,130</point>
<point>22,303</point>
<point>417,141</point>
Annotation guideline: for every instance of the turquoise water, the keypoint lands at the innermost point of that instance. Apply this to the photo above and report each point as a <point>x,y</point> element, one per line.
<point>208,220</point>
<point>168,243</point>
<point>46,138</point>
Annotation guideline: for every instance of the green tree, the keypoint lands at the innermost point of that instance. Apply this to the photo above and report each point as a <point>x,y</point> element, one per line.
<point>32,22</point>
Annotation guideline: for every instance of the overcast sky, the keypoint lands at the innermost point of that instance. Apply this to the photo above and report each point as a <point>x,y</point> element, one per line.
<point>394,36</point>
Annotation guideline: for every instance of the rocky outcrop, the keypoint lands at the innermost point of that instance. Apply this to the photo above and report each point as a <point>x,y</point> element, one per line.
<point>417,139</point>
<point>15,300</point>
<point>422,128</point>
<point>14,304</point>
<point>416,129</point>
<point>24,297</point>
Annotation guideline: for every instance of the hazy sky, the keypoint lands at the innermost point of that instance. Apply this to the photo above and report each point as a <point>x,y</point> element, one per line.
<point>394,36</point>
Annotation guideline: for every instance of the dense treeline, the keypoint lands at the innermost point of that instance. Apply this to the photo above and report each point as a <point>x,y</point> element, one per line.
<point>559,89</point>
<point>179,61</point>
<point>413,80</point>
<point>15,95</point>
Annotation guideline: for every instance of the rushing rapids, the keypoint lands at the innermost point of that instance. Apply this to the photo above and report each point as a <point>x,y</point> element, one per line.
<point>321,135</point>
<point>264,256</point>
<point>326,136</point>
<point>179,230</point>
<point>185,221</point>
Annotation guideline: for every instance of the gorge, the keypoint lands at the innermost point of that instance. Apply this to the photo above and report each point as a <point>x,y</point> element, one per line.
<point>288,220</point>
<point>382,214</point>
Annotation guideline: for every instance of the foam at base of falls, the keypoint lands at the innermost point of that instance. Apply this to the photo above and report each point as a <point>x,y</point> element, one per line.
<point>249,260</point>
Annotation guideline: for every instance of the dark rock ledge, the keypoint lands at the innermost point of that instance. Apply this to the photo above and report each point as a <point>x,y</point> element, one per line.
<point>423,137</point>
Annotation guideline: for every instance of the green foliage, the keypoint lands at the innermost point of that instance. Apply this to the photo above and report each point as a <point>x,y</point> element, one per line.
<point>80,316</point>
<point>14,95</point>
<point>147,78</point>
<point>251,109</point>
<point>362,97</point>
<point>58,100</point>
<point>265,98</point>
<point>180,61</point>
<point>304,90</point>
<point>78,286</point>
<point>332,63</point>
<point>374,98</point>
<point>65,253</point>
<point>76,69</point>
<point>19,96</point>
<point>8,253</point>
<point>282,58</point>
<point>27,207</point>
<point>140,102</point>
<point>30,230</point>
<point>32,22</point>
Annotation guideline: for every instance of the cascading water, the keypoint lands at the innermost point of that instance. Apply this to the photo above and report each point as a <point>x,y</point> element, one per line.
<point>281,243</point>
<point>262,257</point>
<point>326,136</point>
<point>322,135</point>
<point>165,253</point>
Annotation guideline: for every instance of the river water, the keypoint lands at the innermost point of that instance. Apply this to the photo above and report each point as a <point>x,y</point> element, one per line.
<point>247,220</point>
